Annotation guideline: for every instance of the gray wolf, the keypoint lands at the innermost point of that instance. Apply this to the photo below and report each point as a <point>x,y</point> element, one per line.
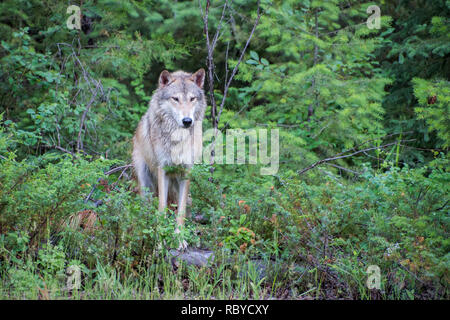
<point>164,138</point>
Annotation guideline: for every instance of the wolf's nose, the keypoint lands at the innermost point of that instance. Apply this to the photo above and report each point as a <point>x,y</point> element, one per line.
<point>187,122</point>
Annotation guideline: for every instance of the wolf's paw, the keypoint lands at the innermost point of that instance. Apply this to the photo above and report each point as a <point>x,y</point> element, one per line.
<point>183,245</point>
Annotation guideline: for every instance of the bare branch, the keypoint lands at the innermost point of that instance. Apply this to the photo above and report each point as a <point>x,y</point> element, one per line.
<point>233,73</point>
<point>216,36</point>
<point>210,59</point>
<point>113,170</point>
<point>343,168</point>
<point>314,104</point>
<point>61,149</point>
<point>83,117</point>
<point>371,140</point>
<point>210,46</point>
<point>312,166</point>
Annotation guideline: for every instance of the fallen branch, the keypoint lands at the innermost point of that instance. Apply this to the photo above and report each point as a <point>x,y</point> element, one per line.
<point>61,149</point>
<point>345,169</point>
<point>339,156</point>
<point>113,170</point>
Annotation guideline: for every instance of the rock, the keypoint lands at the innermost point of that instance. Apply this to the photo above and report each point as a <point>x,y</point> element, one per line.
<point>203,258</point>
<point>192,256</point>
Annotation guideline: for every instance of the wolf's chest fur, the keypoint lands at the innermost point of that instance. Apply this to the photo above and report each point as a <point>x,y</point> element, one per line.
<point>179,150</point>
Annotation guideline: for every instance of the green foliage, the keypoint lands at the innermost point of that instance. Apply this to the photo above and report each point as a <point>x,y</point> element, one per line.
<point>325,91</point>
<point>32,198</point>
<point>396,220</point>
<point>240,236</point>
<point>434,101</point>
<point>51,260</point>
<point>417,47</point>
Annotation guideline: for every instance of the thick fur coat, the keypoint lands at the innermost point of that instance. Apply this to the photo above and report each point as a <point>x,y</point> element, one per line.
<point>162,138</point>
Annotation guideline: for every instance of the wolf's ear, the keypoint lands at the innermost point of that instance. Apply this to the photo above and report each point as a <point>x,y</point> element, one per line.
<point>199,77</point>
<point>164,78</point>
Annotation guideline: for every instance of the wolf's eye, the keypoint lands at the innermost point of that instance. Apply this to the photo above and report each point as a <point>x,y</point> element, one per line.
<point>192,99</point>
<point>175,98</point>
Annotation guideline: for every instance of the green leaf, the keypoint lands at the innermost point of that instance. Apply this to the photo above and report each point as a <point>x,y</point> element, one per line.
<point>254,55</point>
<point>253,62</point>
<point>401,58</point>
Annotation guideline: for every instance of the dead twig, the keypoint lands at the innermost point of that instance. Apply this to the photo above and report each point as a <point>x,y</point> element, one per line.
<point>340,156</point>
<point>83,117</point>
<point>344,169</point>
<point>113,170</point>
<point>61,149</point>
<point>107,173</point>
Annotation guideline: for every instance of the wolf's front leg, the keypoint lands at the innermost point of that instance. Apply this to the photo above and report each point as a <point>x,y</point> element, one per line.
<point>163,189</point>
<point>182,200</point>
<point>181,216</point>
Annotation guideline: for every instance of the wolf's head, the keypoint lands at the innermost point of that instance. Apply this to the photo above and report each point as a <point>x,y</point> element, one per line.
<point>181,96</point>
